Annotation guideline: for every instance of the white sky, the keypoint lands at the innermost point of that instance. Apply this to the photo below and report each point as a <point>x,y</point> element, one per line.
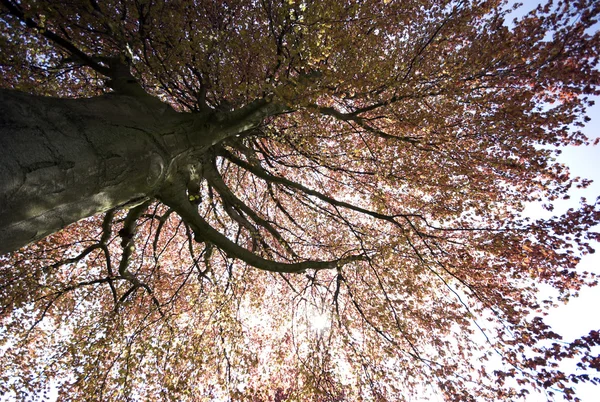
<point>580,315</point>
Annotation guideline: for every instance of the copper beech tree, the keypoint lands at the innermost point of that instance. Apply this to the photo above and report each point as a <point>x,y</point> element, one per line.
<point>294,200</point>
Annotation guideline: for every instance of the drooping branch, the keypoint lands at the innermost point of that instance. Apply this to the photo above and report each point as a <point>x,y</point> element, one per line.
<point>414,353</point>
<point>216,181</point>
<point>102,244</point>
<point>354,117</point>
<point>127,234</point>
<point>161,223</point>
<point>243,222</point>
<point>174,196</point>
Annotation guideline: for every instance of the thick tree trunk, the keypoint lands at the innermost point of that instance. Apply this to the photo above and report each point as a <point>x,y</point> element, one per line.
<point>62,160</point>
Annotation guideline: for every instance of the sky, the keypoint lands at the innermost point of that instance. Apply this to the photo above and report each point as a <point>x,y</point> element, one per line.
<point>584,162</point>
<point>580,315</point>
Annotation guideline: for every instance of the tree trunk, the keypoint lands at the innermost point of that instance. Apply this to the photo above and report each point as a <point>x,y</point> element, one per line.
<point>62,160</point>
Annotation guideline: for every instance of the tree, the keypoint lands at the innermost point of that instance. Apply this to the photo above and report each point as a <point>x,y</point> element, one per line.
<point>290,200</point>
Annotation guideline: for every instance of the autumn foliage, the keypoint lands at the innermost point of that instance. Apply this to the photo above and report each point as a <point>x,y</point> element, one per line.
<point>363,240</point>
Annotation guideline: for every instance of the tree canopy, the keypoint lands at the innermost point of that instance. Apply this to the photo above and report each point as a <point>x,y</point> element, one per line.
<point>281,200</point>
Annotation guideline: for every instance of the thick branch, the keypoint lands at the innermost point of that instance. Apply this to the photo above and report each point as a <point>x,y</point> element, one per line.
<point>216,181</point>
<point>175,198</point>
<point>247,117</point>
<point>127,234</point>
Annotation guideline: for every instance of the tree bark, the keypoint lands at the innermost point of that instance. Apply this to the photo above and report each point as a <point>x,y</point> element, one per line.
<point>62,160</point>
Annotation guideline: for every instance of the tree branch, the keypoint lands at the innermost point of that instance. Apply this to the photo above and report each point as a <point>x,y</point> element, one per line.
<point>174,196</point>
<point>247,117</point>
<point>127,234</point>
<point>215,179</point>
<point>353,117</point>
<point>260,172</point>
<point>16,11</point>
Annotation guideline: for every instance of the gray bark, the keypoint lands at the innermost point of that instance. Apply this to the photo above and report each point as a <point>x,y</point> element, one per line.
<point>62,160</point>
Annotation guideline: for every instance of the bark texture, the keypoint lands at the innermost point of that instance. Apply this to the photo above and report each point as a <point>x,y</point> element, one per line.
<point>62,160</point>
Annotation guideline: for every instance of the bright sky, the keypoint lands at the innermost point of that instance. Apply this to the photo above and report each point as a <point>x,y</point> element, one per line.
<point>584,161</point>
<point>580,316</point>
